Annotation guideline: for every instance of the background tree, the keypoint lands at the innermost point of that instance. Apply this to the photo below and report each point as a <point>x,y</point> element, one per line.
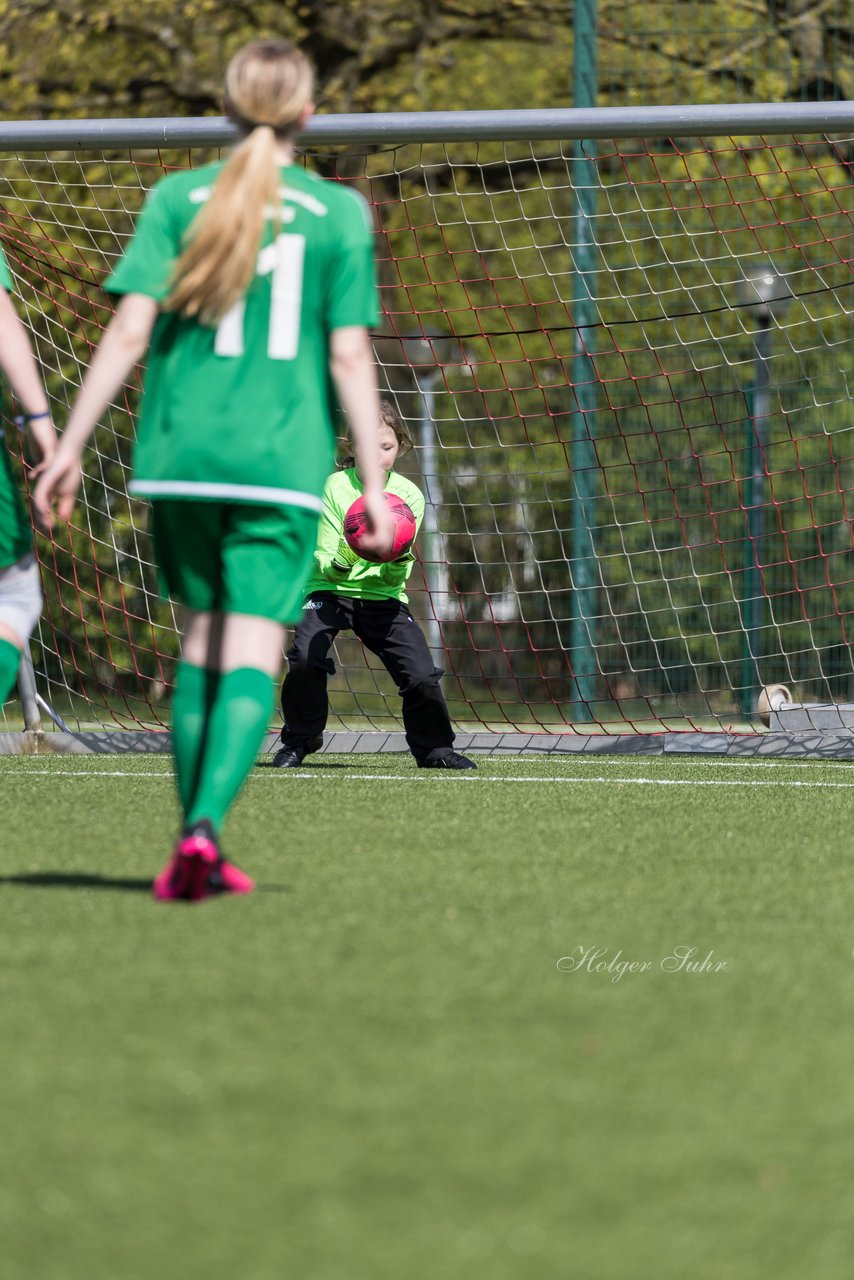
<point>105,57</point>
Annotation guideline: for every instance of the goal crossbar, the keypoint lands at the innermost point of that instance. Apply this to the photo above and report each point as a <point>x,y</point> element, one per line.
<point>379,128</point>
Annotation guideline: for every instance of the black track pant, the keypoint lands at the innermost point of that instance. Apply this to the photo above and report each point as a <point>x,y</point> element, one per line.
<point>387,628</point>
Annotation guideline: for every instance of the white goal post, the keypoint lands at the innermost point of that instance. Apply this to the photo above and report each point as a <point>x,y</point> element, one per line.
<point>622,339</point>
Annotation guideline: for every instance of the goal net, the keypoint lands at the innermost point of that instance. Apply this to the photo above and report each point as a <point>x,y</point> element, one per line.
<point>627,365</point>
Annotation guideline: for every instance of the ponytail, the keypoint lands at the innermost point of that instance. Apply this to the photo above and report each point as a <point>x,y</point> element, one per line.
<point>218,264</point>
<point>268,87</point>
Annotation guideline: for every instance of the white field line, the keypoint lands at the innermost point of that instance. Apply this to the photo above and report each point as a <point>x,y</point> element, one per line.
<point>708,761</point>
<point>468,778</point>
<point>714,762</point>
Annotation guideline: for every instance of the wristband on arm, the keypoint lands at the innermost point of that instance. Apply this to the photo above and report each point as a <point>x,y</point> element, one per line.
<point>23,420</point>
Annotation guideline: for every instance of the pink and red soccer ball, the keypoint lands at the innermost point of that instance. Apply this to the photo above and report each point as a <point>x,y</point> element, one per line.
<point>356,526</point>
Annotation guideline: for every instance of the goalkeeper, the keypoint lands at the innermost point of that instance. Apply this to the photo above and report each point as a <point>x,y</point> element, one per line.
<point>20,594</point>
<point>346,593</point>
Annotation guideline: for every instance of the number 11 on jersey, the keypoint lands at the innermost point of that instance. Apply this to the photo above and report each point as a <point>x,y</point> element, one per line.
<point>284,259</point>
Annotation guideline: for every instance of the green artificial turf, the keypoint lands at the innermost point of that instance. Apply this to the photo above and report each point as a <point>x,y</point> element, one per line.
<point>375,1067</point>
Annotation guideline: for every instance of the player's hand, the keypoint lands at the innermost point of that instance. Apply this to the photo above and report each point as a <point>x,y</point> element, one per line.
<point>382,530</point>
<point>345,557</point>
<point>35,469</point>
<point>44,443</point>
<point>57,487</point>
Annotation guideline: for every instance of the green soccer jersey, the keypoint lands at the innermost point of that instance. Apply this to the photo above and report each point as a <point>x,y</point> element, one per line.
<point>16,538</point>
<point>364,581</point>
<point>243,412</point>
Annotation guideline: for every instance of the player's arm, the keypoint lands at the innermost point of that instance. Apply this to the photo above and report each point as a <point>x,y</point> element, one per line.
<point>142,279</point>
<point>123,345</point>
<point>19,365</point>
<point>351,364</point>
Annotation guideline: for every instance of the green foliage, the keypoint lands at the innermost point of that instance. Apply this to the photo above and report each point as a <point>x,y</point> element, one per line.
<point>104,57</point>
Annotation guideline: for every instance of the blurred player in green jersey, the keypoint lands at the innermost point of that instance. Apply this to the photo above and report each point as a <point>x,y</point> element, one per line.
<point>249,281</point>
<point>346,592</point>
<point>20,594</point>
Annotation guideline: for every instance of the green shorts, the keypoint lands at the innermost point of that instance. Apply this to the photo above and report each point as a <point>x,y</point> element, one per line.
<point>233,557</point>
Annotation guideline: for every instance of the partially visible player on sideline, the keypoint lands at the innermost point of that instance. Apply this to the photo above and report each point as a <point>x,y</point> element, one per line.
<point>252,280</point>
<point>346,592</point>
<point>20,594</point>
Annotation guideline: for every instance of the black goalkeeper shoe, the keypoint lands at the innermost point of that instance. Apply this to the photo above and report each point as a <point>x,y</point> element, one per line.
<point>447,760</point>
<point>292,757</point>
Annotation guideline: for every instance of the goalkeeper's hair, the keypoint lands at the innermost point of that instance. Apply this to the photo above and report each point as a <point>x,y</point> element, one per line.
<point>268,85</point>
<point>389,417</point>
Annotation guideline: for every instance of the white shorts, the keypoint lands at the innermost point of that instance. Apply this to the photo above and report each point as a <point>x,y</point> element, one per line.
<point>20,597</point>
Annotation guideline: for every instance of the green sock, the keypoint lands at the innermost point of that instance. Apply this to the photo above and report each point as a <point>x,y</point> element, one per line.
<point>10,656</point>
<point>194,696</point>
<point>236,727</point>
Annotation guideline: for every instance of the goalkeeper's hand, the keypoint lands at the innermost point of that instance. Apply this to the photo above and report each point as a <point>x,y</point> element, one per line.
<point>396,572</point>
<point>345,557</point>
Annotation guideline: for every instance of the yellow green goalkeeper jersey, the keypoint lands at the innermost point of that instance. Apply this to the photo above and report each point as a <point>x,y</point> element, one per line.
<point>16,537</point>
<point>364,581</point>
<point>243,412</point>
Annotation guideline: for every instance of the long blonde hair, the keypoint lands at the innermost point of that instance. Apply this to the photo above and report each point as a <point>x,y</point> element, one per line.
<point>268,85</point>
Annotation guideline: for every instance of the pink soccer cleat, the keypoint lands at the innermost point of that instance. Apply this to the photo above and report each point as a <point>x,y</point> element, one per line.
<point>186,874</point>
<point>197,870</point>
<point>227,878</point>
